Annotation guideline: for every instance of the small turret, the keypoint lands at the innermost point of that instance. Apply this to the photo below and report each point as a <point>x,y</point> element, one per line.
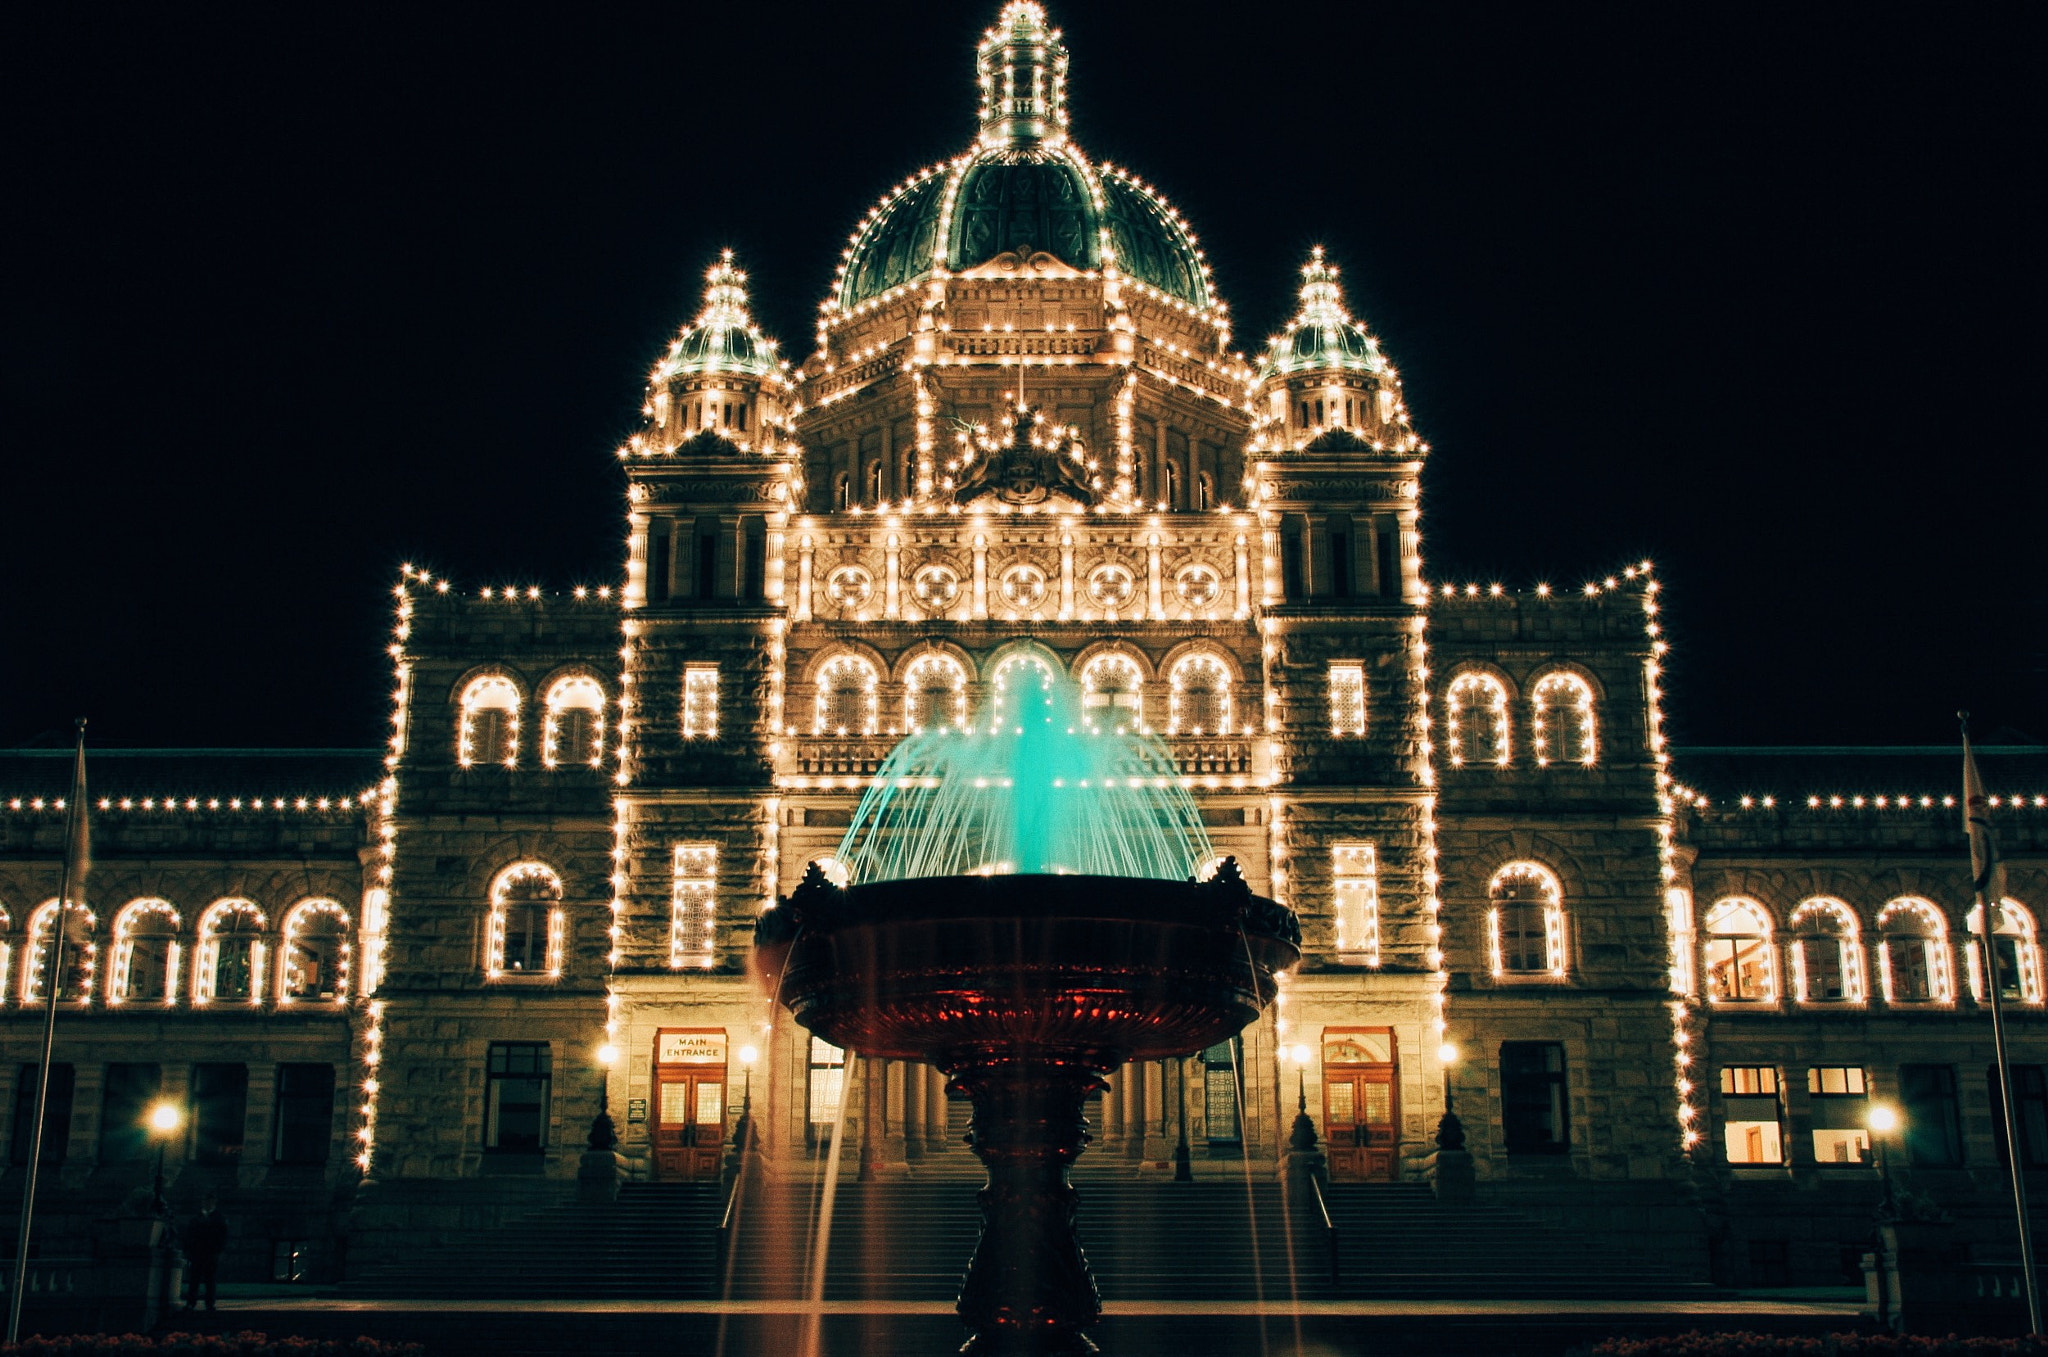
<point>1022,65</point>
<point>1324,375</point>
<point>721,376</point>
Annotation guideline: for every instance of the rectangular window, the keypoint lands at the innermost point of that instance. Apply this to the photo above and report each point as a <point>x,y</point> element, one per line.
<point>1290,567</point>
<point>828,1081</point>
<point>1841,1114</point>
<point>220,1108</point>
<point>1340,564</point>
<point>131,1091</point>
<point>1354,869</point>
<point>1739,968</point>
<point>707,564</point>
<point>2030,1109</point>
<point>1388,539</point>
<point>658,566</point>
<point>1219,1094</point>
<point>693,905</point>
<point>700,702</point>
<point>1752,1115</point>
<point>1347,699</point>
<point>56,1116</point>
<point>305,1114</point>
<point>1932,1113</point>
<point>1533,1113</point>
<point>519,1078</point>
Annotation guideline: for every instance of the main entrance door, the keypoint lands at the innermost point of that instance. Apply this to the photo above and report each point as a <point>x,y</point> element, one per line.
<point>689,1102</point>
<point>1361,1096</point>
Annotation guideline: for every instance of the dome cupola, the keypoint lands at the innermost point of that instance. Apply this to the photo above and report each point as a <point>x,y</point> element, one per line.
<point>1322,336</point>
<point>1324,380</point>
<point>723,337</point>
<point>1024,190</point>
<point>720,378</point>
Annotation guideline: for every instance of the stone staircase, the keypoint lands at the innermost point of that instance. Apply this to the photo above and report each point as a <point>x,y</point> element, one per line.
<point>910,1239</point>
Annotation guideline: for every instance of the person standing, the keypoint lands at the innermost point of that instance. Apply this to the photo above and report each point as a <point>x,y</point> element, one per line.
<point>206,1238</point>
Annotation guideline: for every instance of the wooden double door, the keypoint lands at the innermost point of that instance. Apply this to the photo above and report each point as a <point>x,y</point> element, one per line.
<point>1361,1103</point>
<point>689,1104</point>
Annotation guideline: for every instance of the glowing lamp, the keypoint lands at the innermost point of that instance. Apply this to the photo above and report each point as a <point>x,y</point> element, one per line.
<point>749,1054</point>
<point>1883,1119</point>
<point>1447,1053</point>
<point>608,1054</point>
<point>165,1118</point>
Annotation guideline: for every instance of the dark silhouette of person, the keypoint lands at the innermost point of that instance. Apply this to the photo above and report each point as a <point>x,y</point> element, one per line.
<point>206,1238</point>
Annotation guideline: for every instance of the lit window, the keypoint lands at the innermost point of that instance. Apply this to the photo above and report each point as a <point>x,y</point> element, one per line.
<point>490,723</point>
<point>1199,696</point>
<point>1526,921</point>
<point>1738,953</point>
<point>934,692</point>
<point>230,960</point>
<point>827,1083</point>
<point>847,685</point>
<point>1827,954</point>
<point>1840,1104</point>
<point>1354,868</point>
<point>1112,690</point>
<point>2019,954</point>
<point>1347,699</point>
<point>1562,724</point>
<point>1476,720</point>
<point>700,702</point>
<point>574,734</point>
<point>526,925</point>
<point>79,959</point>
<point>145,968</point>
<point>693,905</point>
<point>1752,1115</point>
<point>1913,958</point>
<point>316,952</point>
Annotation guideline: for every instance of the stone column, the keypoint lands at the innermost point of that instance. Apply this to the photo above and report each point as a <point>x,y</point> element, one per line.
<point>937,1135</point>
<point>895,1142</point>
<point>1110,1133</point>
<point>1133,1080</point>
<point>871,1099</point>
<point>917,1088</point>
<point>1158,1146</point>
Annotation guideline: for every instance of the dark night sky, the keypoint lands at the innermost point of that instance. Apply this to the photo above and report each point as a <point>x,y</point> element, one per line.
<point>301,292</point>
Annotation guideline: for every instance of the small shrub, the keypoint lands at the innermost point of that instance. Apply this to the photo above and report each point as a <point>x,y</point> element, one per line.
<point>204,1345</point>
<point>1822,1345</point>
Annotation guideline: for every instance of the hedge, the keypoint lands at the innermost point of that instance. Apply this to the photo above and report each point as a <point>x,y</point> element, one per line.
<point>204,1345</point>
<point>1822,1345</point>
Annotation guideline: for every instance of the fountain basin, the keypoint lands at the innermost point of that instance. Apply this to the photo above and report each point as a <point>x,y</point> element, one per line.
<point>1025,991</point>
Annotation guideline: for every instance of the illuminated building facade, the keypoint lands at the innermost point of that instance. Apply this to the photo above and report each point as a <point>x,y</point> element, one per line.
<point>1023,445</point>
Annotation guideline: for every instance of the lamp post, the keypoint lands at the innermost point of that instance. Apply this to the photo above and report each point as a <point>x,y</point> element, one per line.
<point>603,1134</point>
<point>1450,1132</point>
<point>164,1121</point>
<point>1882,1120</point>
<point>1303,1135</point>
<point>743,1129</point>
<point>1183,1161</point>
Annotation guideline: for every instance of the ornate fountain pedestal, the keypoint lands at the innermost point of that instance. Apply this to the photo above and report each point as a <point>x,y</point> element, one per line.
<point>1025,991</point>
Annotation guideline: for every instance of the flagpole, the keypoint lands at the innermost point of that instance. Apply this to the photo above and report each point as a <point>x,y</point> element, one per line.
<point>53,974</point>
<point>1981,886</point>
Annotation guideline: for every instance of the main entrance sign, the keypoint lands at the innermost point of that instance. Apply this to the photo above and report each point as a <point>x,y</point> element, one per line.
<point>689,1102</point>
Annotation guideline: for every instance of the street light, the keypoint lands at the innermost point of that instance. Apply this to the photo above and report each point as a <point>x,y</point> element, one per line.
<point>1882,1120</point>
<point>603,1135</point>
<point>1303,1135</point>
<point>744,1128</point>
<point>1450,1132</point>
<point>164,1121</point>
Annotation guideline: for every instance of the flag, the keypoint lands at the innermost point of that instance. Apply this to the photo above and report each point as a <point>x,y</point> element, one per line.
<point>1987,873</point>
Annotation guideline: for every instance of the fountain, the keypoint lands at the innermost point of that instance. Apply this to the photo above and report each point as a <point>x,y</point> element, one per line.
<point>1020,909</point>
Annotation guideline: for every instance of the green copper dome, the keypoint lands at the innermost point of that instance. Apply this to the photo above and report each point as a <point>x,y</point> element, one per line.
<point>1322,334</point>
<point>1024,188</point>
<point>723,337</point>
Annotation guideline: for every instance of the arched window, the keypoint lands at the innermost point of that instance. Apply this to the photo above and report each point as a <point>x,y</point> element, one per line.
<point>230,960</point>
<point>1112,690</point>
<point>846,697</point>
<point>1021,688</point>
<point>1738,953</point>
<point>1561,720</point>
<point>1476,719</point>
<point>1526,920</point>
<point>1205,491</point>
<point>1827,953</point>
<point>2018,950</point>
<point>524,935</point>
<point>842,492</point>
<point>1913,960</point>
<point>934,692</point>
<point>574,734</point>
<point>874,482</point>
<point>316,952</point>
<point>1172,484</point>
<point>146,951</point>
<point>490,723</point>
<point>1198,690</point>
<point>81,954</point>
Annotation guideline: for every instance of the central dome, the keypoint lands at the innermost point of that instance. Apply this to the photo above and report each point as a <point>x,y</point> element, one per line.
<point>1024,189</point>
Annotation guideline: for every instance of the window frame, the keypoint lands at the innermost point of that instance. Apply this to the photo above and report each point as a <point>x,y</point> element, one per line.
<point>500,1053</point>
<point>1557,1099</point>
<point>1766,1081</point>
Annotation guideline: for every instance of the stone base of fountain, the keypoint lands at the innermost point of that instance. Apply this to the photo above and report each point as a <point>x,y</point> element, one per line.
<point>1025,991</point>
